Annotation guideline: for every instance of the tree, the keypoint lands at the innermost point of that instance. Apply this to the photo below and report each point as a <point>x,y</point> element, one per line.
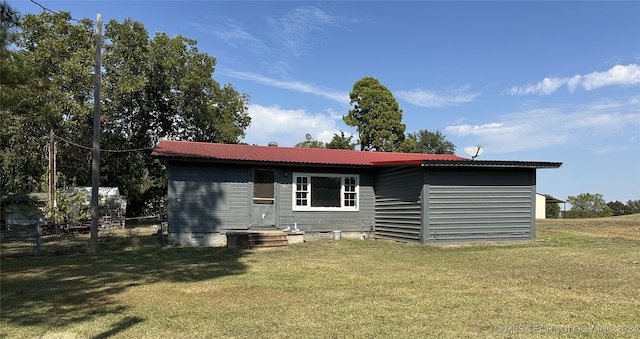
<point>310,144</point>
<point>49,90</point>
<point>618,208</point>
<point>376,115</point>
<point>552,210</point>
<point>158,87</point>
<point>587,205</point>
<point>431,142</point>
<point>9,21</point>
<point>71,204</point>
<point>634,206</point>
<point>341,142</point>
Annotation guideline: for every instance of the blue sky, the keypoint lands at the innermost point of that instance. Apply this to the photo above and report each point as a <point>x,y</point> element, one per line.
<point>547,81</point>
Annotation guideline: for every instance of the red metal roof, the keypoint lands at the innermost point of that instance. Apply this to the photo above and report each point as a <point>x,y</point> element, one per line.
<point>271,154</point>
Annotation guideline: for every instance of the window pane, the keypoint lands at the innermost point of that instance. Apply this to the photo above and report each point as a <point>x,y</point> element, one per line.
<point>301,198</point>
<point>302,189</point>
<point>263,186</point>
<point>349,192</point>
<point>325,191</point>
<point>349,199</point>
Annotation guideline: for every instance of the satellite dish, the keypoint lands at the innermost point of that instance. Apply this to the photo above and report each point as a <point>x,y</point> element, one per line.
<point>473,151</point>
<point>308,137</point>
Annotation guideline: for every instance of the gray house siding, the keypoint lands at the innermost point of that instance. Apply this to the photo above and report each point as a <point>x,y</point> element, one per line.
<point>404,203</point>
<point>325,221</point>
<point>468,206</point>
<point>398,209</point>
<point>206,200</point>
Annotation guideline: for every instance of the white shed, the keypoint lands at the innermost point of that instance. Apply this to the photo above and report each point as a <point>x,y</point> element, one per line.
<point>541,206</point>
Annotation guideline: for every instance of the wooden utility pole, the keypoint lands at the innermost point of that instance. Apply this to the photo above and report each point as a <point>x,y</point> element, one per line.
<point>95,157</point>
<point>52,177</point>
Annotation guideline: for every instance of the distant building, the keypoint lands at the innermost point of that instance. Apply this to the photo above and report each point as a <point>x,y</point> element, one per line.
<point>22,209</point>
<point>112,205</point>
<point>28,209</point>
<point>541,205</point>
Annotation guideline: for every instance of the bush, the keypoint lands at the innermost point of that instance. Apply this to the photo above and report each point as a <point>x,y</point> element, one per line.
<point>587,205</point>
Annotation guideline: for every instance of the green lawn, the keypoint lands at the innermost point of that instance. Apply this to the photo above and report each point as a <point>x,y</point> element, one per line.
<point>579,278</point>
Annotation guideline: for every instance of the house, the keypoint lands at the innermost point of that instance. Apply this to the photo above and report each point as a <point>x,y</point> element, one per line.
<point>426,198</point>
<point>542,200</point>
<point>541,204</point>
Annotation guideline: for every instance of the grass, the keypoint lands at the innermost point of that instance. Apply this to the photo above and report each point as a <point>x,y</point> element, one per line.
<point>579,278</point>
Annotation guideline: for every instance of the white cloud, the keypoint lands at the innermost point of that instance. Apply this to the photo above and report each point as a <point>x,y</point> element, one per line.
<point>296,86</point>
<point>234,34</point>
<point>573,82</point>
<point>288,127</point>
<point>426,98</point>
<point>544,87</point>
<point>474,129</point>
<point>294,28</point>
<point>587,126</point>
<point>618,75</point>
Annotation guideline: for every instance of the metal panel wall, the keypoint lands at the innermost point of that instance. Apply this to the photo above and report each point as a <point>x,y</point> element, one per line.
<point>480,205</point>
<point>398,210</point>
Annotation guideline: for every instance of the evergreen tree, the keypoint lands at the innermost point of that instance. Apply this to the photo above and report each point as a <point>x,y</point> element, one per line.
<point>341,142</point>
<point>376,115</point>
<point>431,142</point>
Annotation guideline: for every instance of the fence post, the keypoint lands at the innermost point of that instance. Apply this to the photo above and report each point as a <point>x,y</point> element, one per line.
<point>161,229</point>
<point>38,245</point>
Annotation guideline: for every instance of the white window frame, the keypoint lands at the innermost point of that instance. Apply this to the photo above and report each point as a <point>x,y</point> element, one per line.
<point>308,207</point>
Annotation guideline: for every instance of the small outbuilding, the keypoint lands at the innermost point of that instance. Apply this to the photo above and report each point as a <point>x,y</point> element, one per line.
<point>542,200</point>
<point>22,209</point>
<point>427,198</point>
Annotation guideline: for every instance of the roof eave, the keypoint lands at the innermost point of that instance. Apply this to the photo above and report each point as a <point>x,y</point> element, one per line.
<point>491,164</point>
<point>260,163</point>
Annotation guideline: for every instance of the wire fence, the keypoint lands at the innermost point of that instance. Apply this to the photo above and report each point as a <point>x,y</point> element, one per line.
<point>51,240</point>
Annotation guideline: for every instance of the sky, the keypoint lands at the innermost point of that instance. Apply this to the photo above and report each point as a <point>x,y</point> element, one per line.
<point>536,81</point>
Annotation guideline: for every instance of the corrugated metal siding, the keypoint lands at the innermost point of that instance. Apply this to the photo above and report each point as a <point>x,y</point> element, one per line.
<point>398,211</point>
<point>207,198</point>
<point>466,206</point>
<point>325,221</point>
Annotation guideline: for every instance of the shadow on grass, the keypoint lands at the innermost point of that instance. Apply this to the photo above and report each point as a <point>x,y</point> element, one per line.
<point>119,327</point>
<point>57,292</point>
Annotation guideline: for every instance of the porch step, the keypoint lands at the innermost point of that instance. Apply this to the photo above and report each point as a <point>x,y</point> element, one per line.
<point>268,239</point>
<point>248,239</point>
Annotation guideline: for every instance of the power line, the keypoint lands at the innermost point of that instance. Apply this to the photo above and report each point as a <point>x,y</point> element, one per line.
<point>50,10</point>
<point>103,150</point>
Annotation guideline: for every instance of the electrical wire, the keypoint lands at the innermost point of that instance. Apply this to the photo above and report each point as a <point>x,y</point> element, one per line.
<point>103,150</point>
<point>50,11</point>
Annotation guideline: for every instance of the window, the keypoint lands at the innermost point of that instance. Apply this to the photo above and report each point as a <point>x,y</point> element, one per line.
<point>325,192</point>
<point>263,187</point>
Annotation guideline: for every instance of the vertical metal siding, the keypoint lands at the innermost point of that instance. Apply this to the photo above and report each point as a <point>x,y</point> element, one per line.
<point>398,211</point>
<point>467,206</point>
